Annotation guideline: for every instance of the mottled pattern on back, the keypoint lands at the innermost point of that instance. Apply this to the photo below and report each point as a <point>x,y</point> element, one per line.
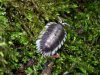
<point>57,32</point>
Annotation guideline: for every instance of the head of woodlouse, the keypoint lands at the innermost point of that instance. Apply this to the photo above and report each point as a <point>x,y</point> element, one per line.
<point>51,38</point>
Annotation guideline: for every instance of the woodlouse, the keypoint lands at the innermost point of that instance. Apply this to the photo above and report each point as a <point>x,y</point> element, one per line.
<point>51,38</point>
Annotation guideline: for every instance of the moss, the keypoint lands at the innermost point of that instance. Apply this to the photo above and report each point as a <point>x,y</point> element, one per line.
<point>22,20</point>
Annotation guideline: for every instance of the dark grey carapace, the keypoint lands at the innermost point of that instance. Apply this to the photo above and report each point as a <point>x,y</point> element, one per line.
<point>51,38</point>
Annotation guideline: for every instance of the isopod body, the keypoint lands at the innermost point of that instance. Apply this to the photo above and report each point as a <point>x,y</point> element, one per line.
<point>51,38</point>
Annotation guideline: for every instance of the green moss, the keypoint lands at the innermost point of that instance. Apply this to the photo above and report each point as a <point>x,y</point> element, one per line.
<point>22,20</point>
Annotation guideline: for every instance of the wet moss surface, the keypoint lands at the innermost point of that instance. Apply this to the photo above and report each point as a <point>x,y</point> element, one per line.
<point>21,22</point>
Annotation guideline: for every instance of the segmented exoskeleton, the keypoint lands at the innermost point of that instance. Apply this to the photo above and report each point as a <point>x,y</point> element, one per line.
<point>51,38</point>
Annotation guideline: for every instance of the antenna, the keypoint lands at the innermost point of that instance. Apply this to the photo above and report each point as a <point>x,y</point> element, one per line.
<point>60,20</point>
